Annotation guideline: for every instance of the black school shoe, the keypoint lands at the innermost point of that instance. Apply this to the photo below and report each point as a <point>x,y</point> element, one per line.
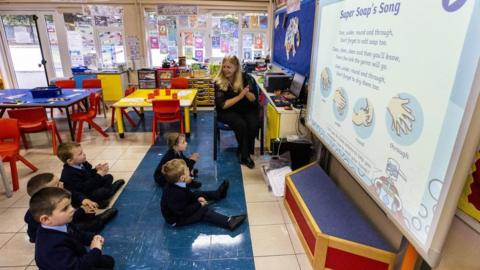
<point>223,188</point>
<point>235,221</point>
<point>117,185</point>
<point>194,184</point>
<point>107,215</point>
<point>247,162</point>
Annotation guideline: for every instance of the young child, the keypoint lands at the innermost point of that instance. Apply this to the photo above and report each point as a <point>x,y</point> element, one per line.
<point>84,217</point>
<point>176,145</point>
<point>55,246</point>
<point>181,207</point>
<point>79,176</point>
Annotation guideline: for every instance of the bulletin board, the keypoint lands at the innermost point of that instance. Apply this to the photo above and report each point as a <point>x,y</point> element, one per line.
<point>300,60</point>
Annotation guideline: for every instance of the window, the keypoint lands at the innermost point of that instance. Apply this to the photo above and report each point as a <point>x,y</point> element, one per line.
<point>161,37</point>
<point>95,37</point>
<point>224,35</point>
<point>208,36</point>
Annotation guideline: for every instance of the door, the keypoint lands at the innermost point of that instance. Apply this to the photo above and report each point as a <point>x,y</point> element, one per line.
<point>31,59</point>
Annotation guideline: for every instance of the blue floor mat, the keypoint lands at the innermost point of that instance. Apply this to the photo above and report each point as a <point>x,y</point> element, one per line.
<point>138,238</point>
<point>145,124</point>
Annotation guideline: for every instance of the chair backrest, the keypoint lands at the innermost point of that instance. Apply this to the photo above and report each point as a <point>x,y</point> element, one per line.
<point>65,84</point>
<point>29,115</point>
<point>129,90</point>
<point>166,106</point>
<point>9,129</point>
<point>91,83</point>
<point>94,101</point>
<point>179,83</point>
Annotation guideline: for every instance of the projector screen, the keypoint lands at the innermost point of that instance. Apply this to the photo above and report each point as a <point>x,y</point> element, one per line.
<point>391,95</point>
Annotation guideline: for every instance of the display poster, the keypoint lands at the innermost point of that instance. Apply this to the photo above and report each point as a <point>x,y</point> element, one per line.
<point>162,28</point>
<point>199,55</point>
<point>199,42</point>
<point>245,22</point>
<point>188,41</point>
<point>254,23</point>
<point>247,54</point>
<point>189,52</point>
<point>292,6</point>
<point>258,41</point>
<point>215,42</point>
<point>163,45</point>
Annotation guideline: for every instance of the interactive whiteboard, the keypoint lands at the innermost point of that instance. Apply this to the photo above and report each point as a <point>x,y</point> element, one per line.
<point>391,94</point>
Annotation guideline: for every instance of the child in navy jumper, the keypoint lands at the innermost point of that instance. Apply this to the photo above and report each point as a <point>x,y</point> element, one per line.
<point>180,206</point>
<point>177,144</point>
<point>55,246</point>
<point>84,218</point>
<point>79,176</point>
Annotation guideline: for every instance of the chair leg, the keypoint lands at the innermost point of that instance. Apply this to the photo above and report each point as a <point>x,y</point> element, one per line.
<point>27,163</point>
<point>54,139</point>
<point>98,128</point>
<point>13,170</point>
<point>182,128</point>
<point>129,119</point>
<point>138,112</point>
<point>79,132</point>
<point>24,140</point>
<point>215,140</point>
<point>154,130</point>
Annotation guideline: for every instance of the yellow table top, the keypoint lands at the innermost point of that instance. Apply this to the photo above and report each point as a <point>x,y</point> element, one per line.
<point>139,98</point>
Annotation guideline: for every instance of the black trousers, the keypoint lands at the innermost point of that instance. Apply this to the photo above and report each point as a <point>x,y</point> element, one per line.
<point>106,262</point>
<point>245,125</point>
<point>104,191</point>
<point>205,213</point>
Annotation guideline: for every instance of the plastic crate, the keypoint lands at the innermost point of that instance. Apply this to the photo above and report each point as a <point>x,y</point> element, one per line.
<point>79,69</point>
<point>46,92</point>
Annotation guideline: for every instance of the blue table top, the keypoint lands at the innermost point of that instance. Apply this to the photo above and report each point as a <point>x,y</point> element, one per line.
<point>333,211</point>
<point>23,98</point>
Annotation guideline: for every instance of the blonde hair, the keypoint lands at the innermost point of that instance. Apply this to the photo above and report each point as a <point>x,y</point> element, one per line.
<point>173,139</point>
<point>174,169</point>
<point>223,82</point>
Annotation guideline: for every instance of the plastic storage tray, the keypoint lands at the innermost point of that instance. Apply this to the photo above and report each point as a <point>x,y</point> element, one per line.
<point>46,92</point>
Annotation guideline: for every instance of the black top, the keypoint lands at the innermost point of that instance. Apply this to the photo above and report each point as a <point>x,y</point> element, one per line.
<point>243,105</point>
<point>84,181</point>
<point>33,225</point>
<point>58,250</point>
<point>178,203</point>
<point>169,155</point>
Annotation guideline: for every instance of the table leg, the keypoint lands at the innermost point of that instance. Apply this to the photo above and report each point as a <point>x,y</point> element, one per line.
<point>195,107</point>
<point>119,118</point>
<point>186,112</point>
<point>2,111</point>
<point>70,127</point>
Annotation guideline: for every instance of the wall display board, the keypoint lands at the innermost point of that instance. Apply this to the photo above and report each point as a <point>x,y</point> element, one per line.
<point>392,95</point>
<point>292,35</point>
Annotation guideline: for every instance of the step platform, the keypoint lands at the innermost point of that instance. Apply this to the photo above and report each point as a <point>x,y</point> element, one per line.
<point>333,231</point>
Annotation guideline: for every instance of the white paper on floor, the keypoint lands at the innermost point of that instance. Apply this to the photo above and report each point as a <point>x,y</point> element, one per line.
<point>276,177</point>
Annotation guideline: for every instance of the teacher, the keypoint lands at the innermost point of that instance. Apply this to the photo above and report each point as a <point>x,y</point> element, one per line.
<point>236,95</point>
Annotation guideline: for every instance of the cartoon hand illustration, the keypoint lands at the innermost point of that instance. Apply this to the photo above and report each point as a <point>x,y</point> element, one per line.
<point>364,116</point>
<point>402,116</point>
<point>325,79</point>
<point>339,100</point>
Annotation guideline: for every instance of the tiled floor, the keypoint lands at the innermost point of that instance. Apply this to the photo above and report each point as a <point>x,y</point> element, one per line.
<point>274,240</point>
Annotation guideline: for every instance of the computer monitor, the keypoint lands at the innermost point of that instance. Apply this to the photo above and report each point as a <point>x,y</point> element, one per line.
<point>297,84</point>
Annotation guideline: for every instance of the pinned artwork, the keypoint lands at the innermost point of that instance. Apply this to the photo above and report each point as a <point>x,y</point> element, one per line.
<point>292,37</point>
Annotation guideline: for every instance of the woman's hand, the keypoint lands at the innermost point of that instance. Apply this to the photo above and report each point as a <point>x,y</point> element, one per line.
<point>244,91</point>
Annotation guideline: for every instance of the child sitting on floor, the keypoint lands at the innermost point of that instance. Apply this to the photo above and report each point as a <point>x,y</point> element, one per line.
<point>84,217</point>
<point>55,246</point>
<point>180,206</point>
<point>177,144</point>
<point>79,176</point>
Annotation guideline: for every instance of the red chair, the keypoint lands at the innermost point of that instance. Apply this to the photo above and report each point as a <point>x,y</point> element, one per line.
<point>179,83</point>
<point>166,111</point>
<point>70,84</point>
<point>95,83</point>
<point>87,117</point>
<point>10,147</point>
<point>33,120</point>
<point>129,91</point>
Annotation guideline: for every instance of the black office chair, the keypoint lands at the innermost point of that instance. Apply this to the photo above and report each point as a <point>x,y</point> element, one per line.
<point>219,125</point>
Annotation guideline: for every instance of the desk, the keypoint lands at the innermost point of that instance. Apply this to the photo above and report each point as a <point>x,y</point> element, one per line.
<point>139,99</point>
<point>22,98</point>
<point>278,121</point>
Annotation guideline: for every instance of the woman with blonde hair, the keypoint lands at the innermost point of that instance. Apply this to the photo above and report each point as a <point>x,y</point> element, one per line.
<point>236,102</point>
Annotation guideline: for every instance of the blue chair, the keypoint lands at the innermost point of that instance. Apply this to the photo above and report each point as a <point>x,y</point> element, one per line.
<point>219,125</point>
